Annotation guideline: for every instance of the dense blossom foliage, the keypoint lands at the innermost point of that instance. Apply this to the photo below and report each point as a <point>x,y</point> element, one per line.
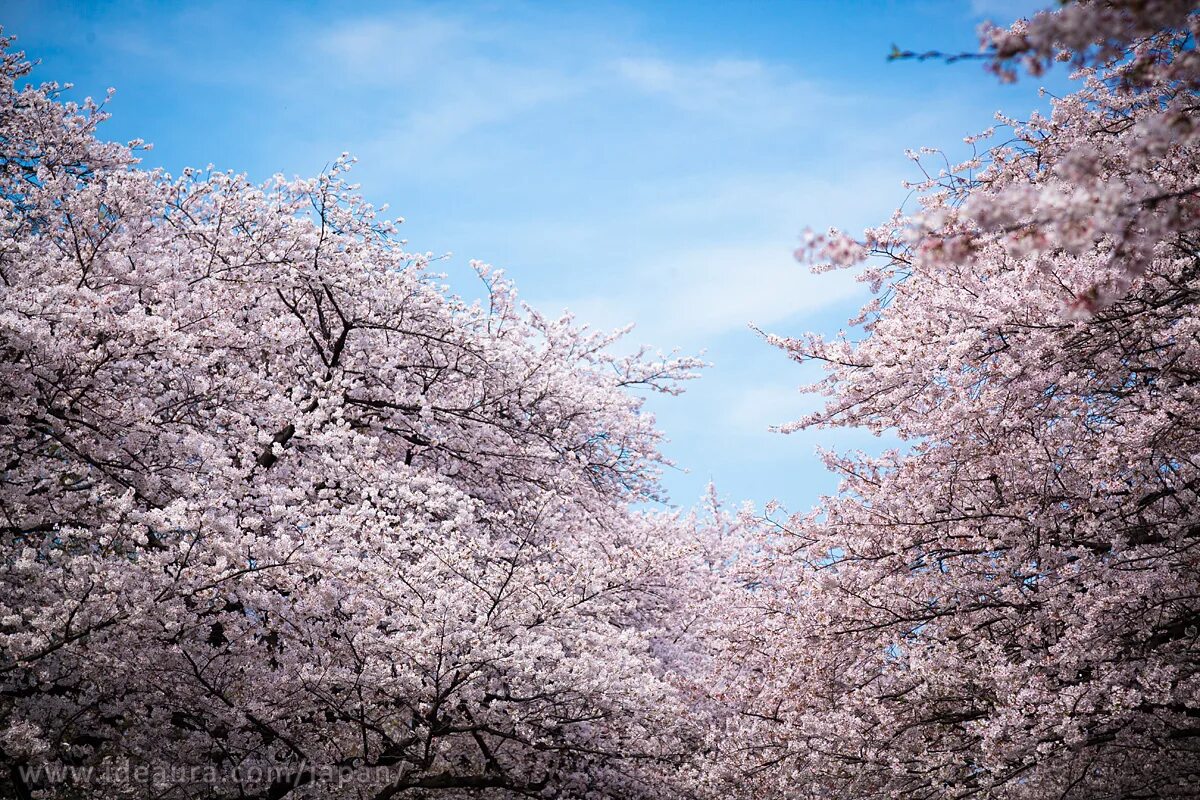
<point>1009,607</point>
<point>282,518</point>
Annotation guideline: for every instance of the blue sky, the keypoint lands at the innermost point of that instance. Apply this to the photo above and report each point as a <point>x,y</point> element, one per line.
<point>652,163</point>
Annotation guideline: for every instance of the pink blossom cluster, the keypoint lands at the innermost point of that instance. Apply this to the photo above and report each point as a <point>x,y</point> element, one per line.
<point>1007,607</point>
<point>1103,31</point>
<point>278,508</point>
<point>272,500</point>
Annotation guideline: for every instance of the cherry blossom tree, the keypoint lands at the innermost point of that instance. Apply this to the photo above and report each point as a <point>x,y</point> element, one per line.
<point>1009,605</point>
<point>282,518</point>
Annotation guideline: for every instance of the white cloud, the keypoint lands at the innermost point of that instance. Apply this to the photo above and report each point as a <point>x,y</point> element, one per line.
<point>494,97</point>
<point>688,297</point>
<point>686,81</point>
<point>756,409</point>
<point>715,255</point>
<point>380,50</point>
<point>746,91</point>
<point>715,289</point>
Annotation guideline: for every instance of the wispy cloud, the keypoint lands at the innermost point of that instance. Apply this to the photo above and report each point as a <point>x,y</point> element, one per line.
<point>701,293</point>
<point>741,91</point>
<point>382,50</point>
<point>757,409</point>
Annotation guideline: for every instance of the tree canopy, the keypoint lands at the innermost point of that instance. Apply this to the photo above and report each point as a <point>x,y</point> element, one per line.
<point>284,518</point>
